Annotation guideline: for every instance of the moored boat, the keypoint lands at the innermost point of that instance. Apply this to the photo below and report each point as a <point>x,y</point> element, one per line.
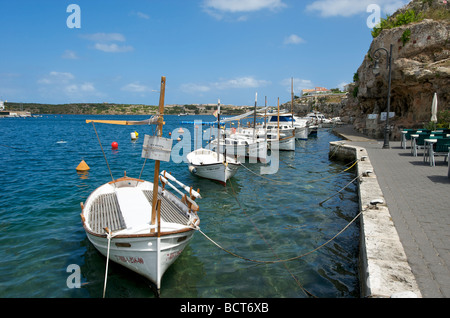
<point>140,224</point>
<point>212,165</point>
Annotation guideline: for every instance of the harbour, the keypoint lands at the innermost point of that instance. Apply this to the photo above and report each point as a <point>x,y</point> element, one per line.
<point>273,218</point>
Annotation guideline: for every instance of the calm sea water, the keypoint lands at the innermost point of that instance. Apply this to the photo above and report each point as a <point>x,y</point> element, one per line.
<point>275,217</point>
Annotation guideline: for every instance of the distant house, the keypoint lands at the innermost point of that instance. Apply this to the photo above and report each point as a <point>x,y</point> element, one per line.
<point>316,91</point>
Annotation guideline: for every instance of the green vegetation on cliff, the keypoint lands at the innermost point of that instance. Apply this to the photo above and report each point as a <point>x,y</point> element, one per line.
<point>418,11</point>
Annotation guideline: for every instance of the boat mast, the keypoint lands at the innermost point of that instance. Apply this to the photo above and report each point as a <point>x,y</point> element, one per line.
<point>292,100</point>
<point>218,130</point>
<point>278,119</point>
<point>254,117</point>
<point>159,131</point>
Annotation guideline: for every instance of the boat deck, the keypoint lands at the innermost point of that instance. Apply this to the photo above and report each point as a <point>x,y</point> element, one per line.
<point>106,212</point>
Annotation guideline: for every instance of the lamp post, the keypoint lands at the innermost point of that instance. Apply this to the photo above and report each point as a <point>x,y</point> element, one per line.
<point>376,70</point>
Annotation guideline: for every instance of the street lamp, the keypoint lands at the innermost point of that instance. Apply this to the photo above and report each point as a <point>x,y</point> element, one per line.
<point>376,71</point>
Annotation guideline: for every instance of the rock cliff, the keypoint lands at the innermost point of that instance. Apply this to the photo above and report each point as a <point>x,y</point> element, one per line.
<point>420,68</point>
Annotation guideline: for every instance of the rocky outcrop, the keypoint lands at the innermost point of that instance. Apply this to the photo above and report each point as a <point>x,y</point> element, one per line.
<point>420,68</point>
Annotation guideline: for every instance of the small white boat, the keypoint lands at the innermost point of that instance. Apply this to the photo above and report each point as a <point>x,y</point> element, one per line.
<point>117,218</point>
<point>301,128</point>
<point>242,145</point>
<point>140,224</point>
<point>281,140</point>
<point>212,165</point>
<point>281,132</point>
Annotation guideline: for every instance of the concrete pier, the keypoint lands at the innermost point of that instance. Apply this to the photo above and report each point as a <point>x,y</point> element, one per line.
<point>404,250</point>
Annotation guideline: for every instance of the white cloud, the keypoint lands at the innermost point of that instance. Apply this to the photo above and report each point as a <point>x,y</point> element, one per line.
<point>243,5</point>
<point>136,87</point>
<point>342,85</point>
<point>293,39</point>
<point>80,88</point>
<point>241,82</point>
<point>56,78</point>
<point>347,8</point>
<point>112,48</point>
<point>195,88</point>
<point>64,82</point>
<point>223,84</point>
<point>69,55</point>
<point>299,85</point>
<point>217,8</point>
<point>104,37</point>
<point>105,42</point>
<point>140,15</point>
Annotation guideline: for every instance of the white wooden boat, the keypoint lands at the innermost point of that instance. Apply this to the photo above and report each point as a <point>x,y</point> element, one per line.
<point>242,144</point>
<point>301,128</point>
<point>212,165</point>
<point>140,224</point>
<point>278,140</point>
<point>280,131</point>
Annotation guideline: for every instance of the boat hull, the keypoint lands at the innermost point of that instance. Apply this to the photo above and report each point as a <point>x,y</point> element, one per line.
<point>150,257</point>
<point>219,171</point>
<point>301,133</point>
<point>208,164</point>
<point>124,208</point>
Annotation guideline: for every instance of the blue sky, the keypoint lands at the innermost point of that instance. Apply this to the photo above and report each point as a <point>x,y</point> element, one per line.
<point>207,49</point>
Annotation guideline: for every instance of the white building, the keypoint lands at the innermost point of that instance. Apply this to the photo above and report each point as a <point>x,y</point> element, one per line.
<point>2,105</point>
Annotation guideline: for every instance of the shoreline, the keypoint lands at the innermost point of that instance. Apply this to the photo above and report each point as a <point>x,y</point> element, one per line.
<point>383,267</point>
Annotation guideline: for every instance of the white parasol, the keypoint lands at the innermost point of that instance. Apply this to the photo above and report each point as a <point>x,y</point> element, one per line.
<point>434,106</point>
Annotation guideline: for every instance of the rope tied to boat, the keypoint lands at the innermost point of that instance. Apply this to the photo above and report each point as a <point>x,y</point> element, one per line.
<point>279,260</point>
<point>109,237</point>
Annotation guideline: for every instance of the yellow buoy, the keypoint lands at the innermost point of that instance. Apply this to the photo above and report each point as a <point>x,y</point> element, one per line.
<point>83,166</point>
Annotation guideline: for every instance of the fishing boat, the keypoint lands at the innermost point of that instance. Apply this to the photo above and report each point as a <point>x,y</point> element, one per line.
<point>244,142</point>
<point>140,224</point>
<point>213,165</point>
<point>280,131</point>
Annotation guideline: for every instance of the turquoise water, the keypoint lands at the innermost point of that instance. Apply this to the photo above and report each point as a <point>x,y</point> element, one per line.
<point>275,217</point>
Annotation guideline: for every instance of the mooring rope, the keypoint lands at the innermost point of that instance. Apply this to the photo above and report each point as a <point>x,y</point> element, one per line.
<point>292,258</point>
<point>104,155</point>
<point>340,190</point>
<point>108,235</point>
<point>280,260</point>
<point>261,176</point>
<point>264,239</point>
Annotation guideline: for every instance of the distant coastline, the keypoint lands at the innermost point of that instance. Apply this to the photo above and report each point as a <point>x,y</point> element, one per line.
<point>120,109</point>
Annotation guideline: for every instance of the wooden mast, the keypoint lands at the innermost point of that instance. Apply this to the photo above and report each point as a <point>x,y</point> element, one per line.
<point>278,119</point>
<point>157,162</point>
<point>218,131</point>
<point>292,100</point>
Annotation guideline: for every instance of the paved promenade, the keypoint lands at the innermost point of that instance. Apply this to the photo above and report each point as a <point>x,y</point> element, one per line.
<point>418,198</point>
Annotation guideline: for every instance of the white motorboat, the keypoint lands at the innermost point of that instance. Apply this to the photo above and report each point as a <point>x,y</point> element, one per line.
<point>139,224</point>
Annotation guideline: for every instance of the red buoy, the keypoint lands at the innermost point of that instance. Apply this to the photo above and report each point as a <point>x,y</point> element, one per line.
<point>114,145</point>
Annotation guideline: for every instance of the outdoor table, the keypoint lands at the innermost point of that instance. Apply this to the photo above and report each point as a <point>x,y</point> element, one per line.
<point>413,144</point>
<point>428,147</point>
<point>403,144</point>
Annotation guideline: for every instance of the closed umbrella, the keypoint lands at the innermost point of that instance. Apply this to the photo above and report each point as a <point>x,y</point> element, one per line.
<point>434,106</point>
